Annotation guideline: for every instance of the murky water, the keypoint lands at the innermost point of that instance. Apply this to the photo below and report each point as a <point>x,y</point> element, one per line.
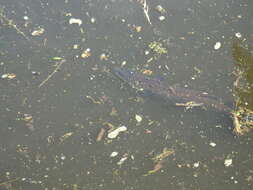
<point>52,111</point>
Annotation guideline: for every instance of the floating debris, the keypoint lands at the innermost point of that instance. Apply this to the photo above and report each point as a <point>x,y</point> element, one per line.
<point>197,69</point>
<point>92,20</point>
<point>58,65</point>
<point>65,136</point>
<point>138,118</point>
<point>100,135</point>
<point>35,73</point>
<point>93,100</point>
<point>50,139</point>
<point>116,132</point>
<point>212,144</point>
<point>156,168</point>
<point>217,45</point>
<point>122,160</point>
<point>75,46</point>
<point>26,18</point>
<point>196,165</point>
<point>159,159</point>
<point>160,9</point>
<point>63,157</point>
<point>57,58</point>
<point>38,32</point>
<point>114,112</point>
<point>238,34</point>
<point>161,18</point>
<point>147,131</point>
<point>75,21</point>
<point>228,162</point>
<point>123,63</point>
<point>103,57</point>
<point>157,47</point>
<point>147,72</point>
<point>137,28</point>
<point>86,53</point>
<point>114,154</point>
<point>189,105</point>
<point>8,76</point>
<point>109,125</point>
<point>166,152</point>
<point>145,8</point>
<point>11,23</point>
<point>28,119</point>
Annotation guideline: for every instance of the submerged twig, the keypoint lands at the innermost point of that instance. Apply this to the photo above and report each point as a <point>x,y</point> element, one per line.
<point>58,65</point>
<point>189,105</point>
<point>145,8</point>
<point>9,181</point>
<point>12,24</point>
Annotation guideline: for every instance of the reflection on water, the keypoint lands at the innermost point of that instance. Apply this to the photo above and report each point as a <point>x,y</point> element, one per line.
<point>55,135</point>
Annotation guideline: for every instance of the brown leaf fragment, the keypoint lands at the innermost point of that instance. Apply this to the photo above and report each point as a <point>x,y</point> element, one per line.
<point>100,135</point>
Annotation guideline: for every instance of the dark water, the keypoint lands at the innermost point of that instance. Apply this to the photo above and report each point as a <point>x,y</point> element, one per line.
<point>48,133</point>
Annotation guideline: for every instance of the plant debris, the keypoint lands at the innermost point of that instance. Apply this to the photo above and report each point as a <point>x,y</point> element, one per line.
<point>8,76</point>
<point>156,168</point>
<point>58,65</point>
<point>145,8</point>
<point>100,135</point>
<point>65,136</point>
<point>86,53</point>
<point>123,159</point>
<point>189,105</point>
<point>113,134</point>
<point>38,31</point>
<point>160,9</point>
<point>165,153</point>
<point>158,48</point>
<point>138,118</point>
<point>75,21</point>
<point>159,160</point>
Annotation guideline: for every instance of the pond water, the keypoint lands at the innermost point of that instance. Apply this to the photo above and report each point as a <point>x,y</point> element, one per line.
<point>58,95</point>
